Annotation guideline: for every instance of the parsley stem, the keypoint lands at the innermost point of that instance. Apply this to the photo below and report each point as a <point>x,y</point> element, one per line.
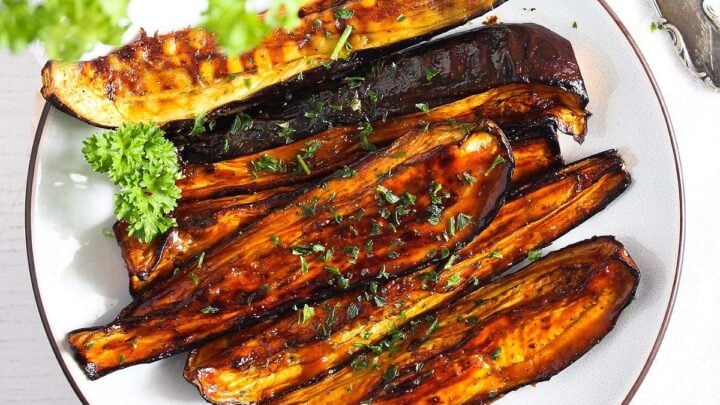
<point>341,42</point>
<point>302,164</point>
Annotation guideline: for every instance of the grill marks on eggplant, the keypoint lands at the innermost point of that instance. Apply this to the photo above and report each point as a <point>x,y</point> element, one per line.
<point>326,152</point>
<point>518,330</point>
<point>267,361</point>
<point>249,277</point>
<point>178,76</point>
<point>436,73</point>
<point>203,224</point>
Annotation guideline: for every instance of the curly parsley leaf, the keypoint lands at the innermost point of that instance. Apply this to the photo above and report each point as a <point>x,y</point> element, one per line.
<point>144,166</point>
<point>68,29</point>
<point>240,28</point>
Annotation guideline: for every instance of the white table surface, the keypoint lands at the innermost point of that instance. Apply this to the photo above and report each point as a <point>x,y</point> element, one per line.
<point>686,367</point>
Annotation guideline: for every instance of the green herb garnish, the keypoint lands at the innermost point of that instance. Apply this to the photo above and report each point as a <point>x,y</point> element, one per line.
<point>144,165</point>
<point>209,310</point>
<point>305,314</point>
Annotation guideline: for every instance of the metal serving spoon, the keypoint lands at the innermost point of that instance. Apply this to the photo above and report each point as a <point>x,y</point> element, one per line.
<point>694,26</point>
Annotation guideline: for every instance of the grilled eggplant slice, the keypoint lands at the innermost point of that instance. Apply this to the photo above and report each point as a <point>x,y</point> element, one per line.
<point>203,224</point>
<point>519,330</point>
<point>437,73</point>
<point>272,359</point>
<point>405,199</point>
<point>323,153</point>
<point>179,76</point>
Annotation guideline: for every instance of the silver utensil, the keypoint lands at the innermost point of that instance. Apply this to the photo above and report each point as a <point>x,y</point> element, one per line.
<point>694,26</point>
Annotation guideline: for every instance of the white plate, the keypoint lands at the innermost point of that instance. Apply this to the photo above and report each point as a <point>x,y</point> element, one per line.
<point>79,279</point>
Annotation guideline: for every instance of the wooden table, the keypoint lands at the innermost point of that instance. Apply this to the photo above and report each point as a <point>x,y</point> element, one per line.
<point>684,371</point>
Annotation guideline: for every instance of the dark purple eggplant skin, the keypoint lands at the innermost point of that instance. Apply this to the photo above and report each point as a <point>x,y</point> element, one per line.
<point>436,73</point>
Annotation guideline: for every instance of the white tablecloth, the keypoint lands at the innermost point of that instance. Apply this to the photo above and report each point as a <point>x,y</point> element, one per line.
<point>685,369</point>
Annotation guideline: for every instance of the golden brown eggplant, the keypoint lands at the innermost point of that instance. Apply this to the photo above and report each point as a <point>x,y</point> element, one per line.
<point>404,199</point>
<point>203,224</point>
<point>323,153</point>
<point>521,329</point>
<point>181,75</point>
<point>438,72</point>
<point>268,360</point>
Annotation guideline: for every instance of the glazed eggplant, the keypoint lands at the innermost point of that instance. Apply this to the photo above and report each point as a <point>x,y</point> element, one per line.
<point>436,73</point>
<point>181,75</point>
<point>269,360</point>
<point>204,224</point>
<point>328,151</point>
<point>404,199</point>
<point>516,331</point>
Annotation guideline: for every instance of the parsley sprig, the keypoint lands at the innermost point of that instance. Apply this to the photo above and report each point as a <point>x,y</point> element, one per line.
<point>144,165</point>
<point>68,29</point>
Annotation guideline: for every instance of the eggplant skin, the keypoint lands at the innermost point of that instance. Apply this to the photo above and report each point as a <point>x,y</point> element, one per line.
<point>274,361</point>
<point>181,75</point>
<point>460,65</point>
<point>204,224</point>
<point>534,105</point>
<point>249,277</point>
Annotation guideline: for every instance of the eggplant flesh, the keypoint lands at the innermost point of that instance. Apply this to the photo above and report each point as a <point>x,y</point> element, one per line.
<point>177,77</point>
<point>404,203</point>
<point>270,360</point>
<point>436,73</point>
<point>518,330</point>
<point>203,224</point>
<point>330,150</point>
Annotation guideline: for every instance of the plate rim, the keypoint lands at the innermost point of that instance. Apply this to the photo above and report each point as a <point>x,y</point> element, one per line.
<point>30,182</point>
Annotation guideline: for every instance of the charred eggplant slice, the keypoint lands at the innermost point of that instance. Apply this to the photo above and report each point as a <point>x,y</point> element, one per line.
<point>203,224</point>
<point>518,330</point>
<point>436,73</point>
<point>405,199</point>
<point>328,151</point>
<point>273,359</point>
<point>183,75</point>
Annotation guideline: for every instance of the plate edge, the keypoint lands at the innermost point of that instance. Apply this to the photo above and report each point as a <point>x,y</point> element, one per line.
<point>30,257</point>
<point>681,191</point>
<point>678,267</point>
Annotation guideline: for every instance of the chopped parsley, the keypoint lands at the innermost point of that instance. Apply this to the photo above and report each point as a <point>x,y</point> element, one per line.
<point>430,73</point>
<point>305,314</point>
<point>310,148</point>
<point>495,254</point>
<point>333,270</point>
<point>463,220</point>
<point>242,122</point>
<point>400,18</point>
<point>198,125</point>
<point>346,173</point>
<point>209,310</point>
<point>424,107</point>
<point>303,250</point>
<point>497,162</point>
<point>352,310</point>
<point>275,240</point>
<point>534,255</point>
<point>268,163</point>
<point>391,373</point>
<point>496,353</point>
<point>303,265</point>
<point>344,13</point>
<point>453,280</point>
<point>469,178</point>
<point>388,195</point>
